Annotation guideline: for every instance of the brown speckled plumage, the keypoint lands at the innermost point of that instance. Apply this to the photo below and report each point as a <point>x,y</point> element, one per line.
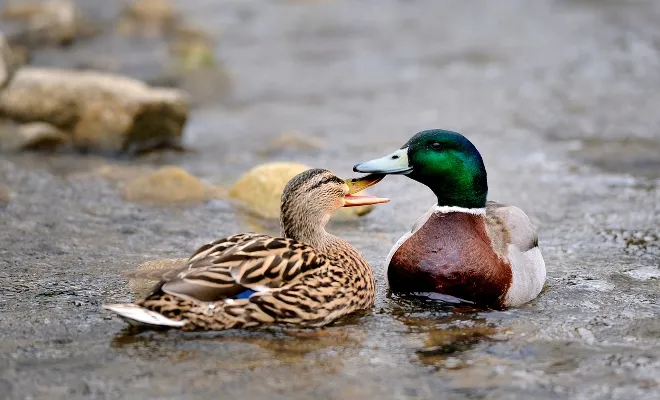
<point>307,278</point>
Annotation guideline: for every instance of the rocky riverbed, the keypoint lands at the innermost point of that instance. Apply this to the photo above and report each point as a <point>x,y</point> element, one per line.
<point>561,98</point>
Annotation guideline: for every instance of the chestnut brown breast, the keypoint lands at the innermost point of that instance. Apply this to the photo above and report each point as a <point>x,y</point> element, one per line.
<point>451,254</point>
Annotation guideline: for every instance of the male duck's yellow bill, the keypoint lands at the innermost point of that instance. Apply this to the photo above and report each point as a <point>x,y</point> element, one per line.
<point>356,185</point>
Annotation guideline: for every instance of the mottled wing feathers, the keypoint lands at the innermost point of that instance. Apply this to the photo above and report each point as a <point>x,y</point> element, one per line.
<point>509,225</point>
<point>259,263</point>
<point>200,258</point>
<point>205,255</point>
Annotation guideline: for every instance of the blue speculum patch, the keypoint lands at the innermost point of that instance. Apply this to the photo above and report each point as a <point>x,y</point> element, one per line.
<point>245,294</point>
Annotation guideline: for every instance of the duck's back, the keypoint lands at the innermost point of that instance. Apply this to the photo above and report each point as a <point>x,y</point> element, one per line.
<point>514,238</point>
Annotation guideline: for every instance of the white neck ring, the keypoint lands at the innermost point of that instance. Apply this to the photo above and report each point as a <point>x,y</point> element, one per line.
<point>450,209</point>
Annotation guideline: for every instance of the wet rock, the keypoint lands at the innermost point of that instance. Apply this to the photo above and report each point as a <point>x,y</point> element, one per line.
<point>52,22</point>
<point>141,287</point>
<point>8,64</point>
<point>102,112</point>
<point>291,141</point>
<point>259,191</point>
<point>32,136</point>
<point>168,186</point>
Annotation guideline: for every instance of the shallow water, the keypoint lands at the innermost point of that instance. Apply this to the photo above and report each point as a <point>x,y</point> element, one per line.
<point>552,93</point>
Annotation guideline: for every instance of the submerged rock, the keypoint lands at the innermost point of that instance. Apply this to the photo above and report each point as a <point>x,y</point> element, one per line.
<point>259,191</point>
<point>168,186</point>
<point>101,112</point>
<point>142,287</point>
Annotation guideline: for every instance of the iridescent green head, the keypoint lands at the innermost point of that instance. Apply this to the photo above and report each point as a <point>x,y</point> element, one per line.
<point>447,162</point>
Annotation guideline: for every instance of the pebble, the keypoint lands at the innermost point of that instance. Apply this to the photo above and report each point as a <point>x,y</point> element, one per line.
<point>168,186</point>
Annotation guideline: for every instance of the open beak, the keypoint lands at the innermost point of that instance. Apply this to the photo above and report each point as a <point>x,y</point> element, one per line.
<point>393,163</point>
<point>357,185</point>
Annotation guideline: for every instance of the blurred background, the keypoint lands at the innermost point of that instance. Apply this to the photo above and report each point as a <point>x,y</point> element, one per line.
<point>132,132</point>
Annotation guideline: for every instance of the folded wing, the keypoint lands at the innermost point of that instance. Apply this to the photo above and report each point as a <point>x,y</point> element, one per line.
<point>258,264</point>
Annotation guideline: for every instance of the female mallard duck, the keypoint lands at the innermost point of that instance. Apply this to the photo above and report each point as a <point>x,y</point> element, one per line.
<point>308,277</point>
<point>463,246</point>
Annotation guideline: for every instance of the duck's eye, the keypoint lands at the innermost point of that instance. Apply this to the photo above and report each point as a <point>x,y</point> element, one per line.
<point>436,145</point>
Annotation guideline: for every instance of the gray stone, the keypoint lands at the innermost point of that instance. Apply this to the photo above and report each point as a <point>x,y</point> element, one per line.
<point>101,112</point>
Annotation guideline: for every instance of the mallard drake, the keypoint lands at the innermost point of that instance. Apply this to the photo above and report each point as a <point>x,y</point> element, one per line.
<point>307,277</point>
<point>464,246</point>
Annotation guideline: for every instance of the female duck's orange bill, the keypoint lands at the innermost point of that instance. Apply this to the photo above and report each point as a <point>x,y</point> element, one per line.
<point>356,185</point>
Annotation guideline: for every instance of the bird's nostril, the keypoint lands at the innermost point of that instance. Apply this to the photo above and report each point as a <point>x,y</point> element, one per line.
<point>395,157</point>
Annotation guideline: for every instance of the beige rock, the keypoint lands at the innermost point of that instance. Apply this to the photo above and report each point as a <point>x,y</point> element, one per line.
<point>32,136</point>
<point>46,22</point>
<point>142,287</point>
<point>168,186</point>
<point>104,112</point>
<point>259,191</point>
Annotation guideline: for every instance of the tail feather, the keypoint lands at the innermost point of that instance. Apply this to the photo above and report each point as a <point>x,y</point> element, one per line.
<point>165,274</point>
<point>136,315</point>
